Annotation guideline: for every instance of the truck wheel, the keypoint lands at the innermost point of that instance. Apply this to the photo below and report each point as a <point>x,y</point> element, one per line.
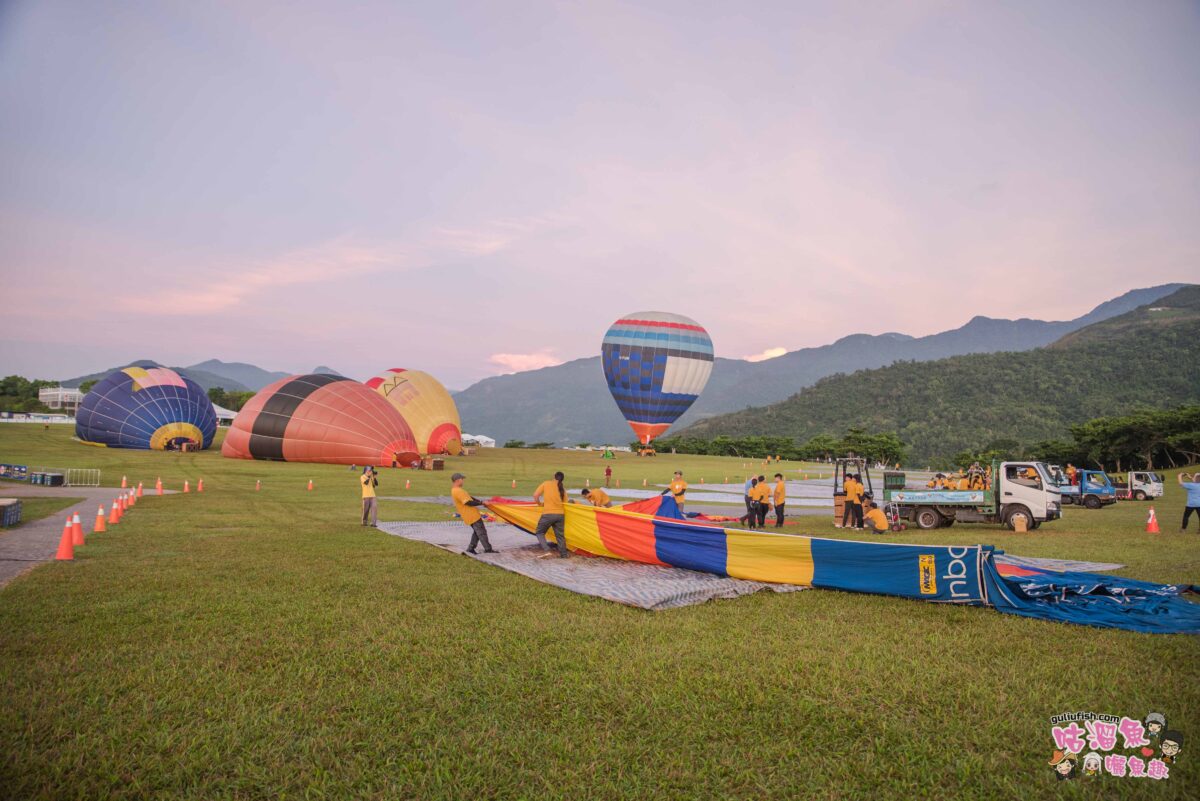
<point>1141,496</point>
<point>1091,502</point>
<point>927,517</point>
<point>1014,512</point>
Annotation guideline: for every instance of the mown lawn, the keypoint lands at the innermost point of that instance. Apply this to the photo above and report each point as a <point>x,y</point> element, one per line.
<point>237,644</point>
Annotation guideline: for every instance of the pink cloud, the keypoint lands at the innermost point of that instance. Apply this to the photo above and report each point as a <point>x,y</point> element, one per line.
<point>769,353</point>
<point>520,362</point>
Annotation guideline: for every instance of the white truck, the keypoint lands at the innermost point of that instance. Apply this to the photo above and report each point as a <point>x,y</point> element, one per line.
<point>1140,485</point>
<point>1019,491</point>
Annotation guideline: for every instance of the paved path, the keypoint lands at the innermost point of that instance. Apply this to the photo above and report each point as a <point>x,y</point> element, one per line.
<point>30,544</point>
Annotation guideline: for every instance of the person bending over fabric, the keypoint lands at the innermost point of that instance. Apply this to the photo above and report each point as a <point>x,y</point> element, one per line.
<point>467,507</point>
<point>677,488</point>
<point>369,481</point>
<point>552,495</point>
<point>598,497</point>
<point>876,520</point>
<point>780,498</point>
<point>1192,488</point>
<point>762,501</point>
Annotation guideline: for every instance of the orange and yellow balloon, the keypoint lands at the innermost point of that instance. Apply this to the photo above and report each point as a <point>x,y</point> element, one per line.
<point>425,405</point>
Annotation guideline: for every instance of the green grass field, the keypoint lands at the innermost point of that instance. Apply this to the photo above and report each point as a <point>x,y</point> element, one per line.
<point>242,644</point>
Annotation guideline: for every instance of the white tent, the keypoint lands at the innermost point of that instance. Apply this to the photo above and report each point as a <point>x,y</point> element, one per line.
<point>478,439</point>
<point>223,414</point>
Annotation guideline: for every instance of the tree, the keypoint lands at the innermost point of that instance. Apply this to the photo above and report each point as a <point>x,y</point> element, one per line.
<point>86,386</point>
<point>515,443</point>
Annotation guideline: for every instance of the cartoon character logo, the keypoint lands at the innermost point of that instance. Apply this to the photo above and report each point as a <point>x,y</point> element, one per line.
<point>1064,764</point>
<point>1155,723</point>
<point>1092,765</point>
<point>1172,744</point>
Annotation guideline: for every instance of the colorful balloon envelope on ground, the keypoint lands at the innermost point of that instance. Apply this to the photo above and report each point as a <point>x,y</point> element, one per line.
<point>425,405</point>
<point>321,418</point>
<point>146,407</point>
<point>656,365</point>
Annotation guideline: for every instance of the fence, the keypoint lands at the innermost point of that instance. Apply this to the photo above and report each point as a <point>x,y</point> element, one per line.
<point>72,476</point>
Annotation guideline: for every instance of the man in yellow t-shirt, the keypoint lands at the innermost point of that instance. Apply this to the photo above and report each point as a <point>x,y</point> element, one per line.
<point>779,496</point>
<point>598,497</point>
<point>876,520</point>
<point>369,482</point>
<point>853,508</point>
<point>762,501</point>
<point>467,507</point>
<point>677,488</point>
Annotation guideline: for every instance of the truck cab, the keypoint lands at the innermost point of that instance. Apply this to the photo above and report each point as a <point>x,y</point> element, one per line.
<point>1140,485</point>
<point>1092,489</point>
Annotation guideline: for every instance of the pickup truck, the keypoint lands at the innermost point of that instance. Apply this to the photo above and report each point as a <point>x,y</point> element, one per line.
<point>1020,491</point>
<point>1091,489</point>
<point>1140,485</point>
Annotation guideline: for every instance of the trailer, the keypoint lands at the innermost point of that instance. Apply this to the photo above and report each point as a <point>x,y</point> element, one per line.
<point>1022,495</point>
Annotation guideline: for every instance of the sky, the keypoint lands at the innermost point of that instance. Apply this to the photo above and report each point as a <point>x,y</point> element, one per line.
<point>480,188</point>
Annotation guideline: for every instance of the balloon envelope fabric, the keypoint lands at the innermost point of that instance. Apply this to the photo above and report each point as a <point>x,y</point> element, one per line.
<point>153,408</point>
<point>425,405</point>
<point>966,574</point>
<point>320,418</point>
<point>656,364</point>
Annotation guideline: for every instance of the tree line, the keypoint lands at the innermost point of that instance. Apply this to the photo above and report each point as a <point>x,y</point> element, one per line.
<point>883,447</point>
<point>233,401</point>
<point>19,394</point>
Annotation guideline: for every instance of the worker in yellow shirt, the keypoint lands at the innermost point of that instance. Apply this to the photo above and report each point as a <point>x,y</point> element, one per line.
<point>598,497</point>
<point>779,496</point>
<point>677,488</point>
<point>552,495</point>
<point>876,520</point>
<point>751,516</point>
<point>369,482</point>
<point>852,511</point>
<point>467,507</point>
<point>762,501</point>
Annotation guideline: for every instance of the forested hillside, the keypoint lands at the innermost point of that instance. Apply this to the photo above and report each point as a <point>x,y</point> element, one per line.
<point>1147,358</point>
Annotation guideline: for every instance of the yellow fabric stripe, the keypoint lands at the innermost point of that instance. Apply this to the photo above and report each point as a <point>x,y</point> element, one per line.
<point>763,556</point>
<point>135,373</point>
<point>164,434</point>
<point>583,532</point>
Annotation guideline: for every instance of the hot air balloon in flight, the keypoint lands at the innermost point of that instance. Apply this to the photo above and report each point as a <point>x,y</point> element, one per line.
<point>320,418</point>
<point>153,408</point>
<point>425,405</point>
<point>656,365</point>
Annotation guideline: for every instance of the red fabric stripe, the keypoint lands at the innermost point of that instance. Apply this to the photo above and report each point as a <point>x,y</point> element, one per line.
<point>628,538</point>
<point>658,324</point>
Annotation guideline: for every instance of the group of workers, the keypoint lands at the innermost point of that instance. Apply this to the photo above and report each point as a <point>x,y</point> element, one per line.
<point>973,478</point>
<point>760,498</point>
<point>859,511</point>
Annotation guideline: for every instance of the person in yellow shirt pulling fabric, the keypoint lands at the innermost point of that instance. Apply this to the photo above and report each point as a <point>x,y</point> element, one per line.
<point>467,507</point>
<point>552,495</point>
<point>876,520</point>
<point>598,497</point>
<point>780,498</point>
<point>762,501</point>
<point>677,488</point>
<point>369,482</point>
<point>852,511</point>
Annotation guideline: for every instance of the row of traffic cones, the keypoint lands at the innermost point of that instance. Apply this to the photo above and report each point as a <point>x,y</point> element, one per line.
<point>73,535</point>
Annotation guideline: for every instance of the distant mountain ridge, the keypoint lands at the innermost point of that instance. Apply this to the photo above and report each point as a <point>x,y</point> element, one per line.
<point>570,403</point>
<point>204,378</point>
<point>230,376</point>
<point>1145,358</point>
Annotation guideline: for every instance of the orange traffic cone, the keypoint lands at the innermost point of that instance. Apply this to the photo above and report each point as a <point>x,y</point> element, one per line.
<point>114,516</point>
<point>66,551</point>
<point>99,525</point>
<point>1152,523</point>
<point>407,483</point>
<point>76,531</point>
<point>200,485</point>
<point>310,485</point>
<point>514,484</point>
<point>139,489</point>
<point>158,485</point>
<point>643,482</point>
<point>257,484</point>
<point>618,483</point>
<point>701,479</point>
<point>186,488</point>
<point>587,482</point>
<point>122,482</point>
<point>122,504</point>
<point>132,502</point>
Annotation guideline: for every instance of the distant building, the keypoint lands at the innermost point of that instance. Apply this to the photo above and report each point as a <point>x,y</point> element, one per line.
<point>65,398</point>
<point>224,416</point>
<point>479,440</point>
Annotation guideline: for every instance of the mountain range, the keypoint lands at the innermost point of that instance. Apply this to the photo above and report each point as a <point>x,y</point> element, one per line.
<point>230,376</point>
<point>1145,358</point>
<point>570,403</point>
